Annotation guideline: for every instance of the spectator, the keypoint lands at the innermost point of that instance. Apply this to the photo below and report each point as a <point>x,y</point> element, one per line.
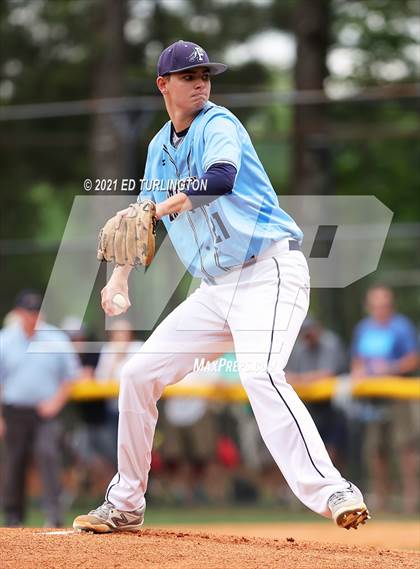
<point>95,453</point>
<point>79,337</point>
<point>318,353</point>
<point>385,344</point>
<point>35,387</point>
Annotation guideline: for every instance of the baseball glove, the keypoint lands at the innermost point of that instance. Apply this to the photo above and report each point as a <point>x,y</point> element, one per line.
<point>129,239</point>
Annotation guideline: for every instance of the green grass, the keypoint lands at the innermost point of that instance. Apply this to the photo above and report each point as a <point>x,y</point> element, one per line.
<point>207,515</point>
<point>240,514</point>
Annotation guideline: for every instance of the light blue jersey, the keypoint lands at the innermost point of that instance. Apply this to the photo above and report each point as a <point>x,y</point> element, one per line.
<point>220,236</point>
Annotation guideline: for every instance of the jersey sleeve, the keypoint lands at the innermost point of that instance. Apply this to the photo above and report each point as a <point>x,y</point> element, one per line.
<point>219,180</point>
<point>221,143</point>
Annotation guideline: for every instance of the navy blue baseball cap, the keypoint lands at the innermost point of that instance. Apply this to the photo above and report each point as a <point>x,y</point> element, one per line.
<point>183,55</point>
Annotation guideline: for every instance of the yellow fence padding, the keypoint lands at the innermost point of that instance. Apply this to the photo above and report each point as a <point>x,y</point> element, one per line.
<point>321,390</point>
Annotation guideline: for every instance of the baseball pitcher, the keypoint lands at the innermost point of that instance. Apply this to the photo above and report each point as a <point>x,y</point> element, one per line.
<point>204,180</point>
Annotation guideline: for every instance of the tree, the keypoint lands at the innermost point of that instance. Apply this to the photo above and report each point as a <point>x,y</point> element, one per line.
<point>108,141</point>
<point>311,154</point>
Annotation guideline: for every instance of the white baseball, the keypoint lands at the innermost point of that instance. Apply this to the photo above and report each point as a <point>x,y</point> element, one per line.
<point>119,303</point>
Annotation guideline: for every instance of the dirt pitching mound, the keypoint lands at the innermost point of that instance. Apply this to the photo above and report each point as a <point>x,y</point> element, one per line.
<point>397,534</point>
<point>163,549</point>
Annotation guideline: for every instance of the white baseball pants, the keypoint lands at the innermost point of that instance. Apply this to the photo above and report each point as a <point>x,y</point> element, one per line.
<point>260,308</point>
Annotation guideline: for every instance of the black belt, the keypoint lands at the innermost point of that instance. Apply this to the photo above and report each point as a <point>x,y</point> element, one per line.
<point>294,245</point>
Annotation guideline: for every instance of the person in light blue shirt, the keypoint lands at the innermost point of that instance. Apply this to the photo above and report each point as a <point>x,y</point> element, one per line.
<point>385,344</point>
<point>34,389</point>
<point>223,218</point>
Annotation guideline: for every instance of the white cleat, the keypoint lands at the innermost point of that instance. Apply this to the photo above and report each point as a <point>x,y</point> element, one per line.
<point>107,518</point>
<point>348,509</point>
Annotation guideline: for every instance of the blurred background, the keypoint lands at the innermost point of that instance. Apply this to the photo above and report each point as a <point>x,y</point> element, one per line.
<point>328,90</point>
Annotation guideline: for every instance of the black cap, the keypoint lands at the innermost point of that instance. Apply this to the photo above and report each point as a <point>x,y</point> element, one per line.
<point>29,299</point>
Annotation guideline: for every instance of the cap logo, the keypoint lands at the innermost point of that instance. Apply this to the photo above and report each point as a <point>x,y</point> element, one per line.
<point>197,55</point>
